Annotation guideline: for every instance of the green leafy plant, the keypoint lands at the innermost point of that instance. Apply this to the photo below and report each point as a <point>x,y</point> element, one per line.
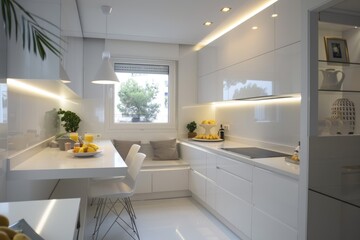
<point>34,36</point>
<point>137,101</point>
<point>191,126</point>
<point>71,120</point>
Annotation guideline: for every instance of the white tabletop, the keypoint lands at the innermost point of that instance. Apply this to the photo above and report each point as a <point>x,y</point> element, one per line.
<point>52,219</point>
<point>51,163</point>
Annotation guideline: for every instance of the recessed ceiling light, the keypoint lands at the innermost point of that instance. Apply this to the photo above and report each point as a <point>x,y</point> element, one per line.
<point>225,9</point>
<point>274,15</point>
<point>208,23</point>
<point>254,28</point>
<point>355,26</point>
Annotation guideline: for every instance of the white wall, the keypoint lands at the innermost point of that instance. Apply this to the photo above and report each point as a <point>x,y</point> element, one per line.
<point>93,107</point>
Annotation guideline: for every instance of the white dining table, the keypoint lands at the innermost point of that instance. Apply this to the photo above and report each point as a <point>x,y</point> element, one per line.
<point>51,163</point>
<point>53,219</point>
<point>72,172</point>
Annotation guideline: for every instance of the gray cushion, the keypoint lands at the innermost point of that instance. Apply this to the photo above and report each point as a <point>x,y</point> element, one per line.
<point>165,149</point>
<point>123,147</point>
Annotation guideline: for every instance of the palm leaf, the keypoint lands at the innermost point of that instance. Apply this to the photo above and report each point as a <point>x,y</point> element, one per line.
<point>32,31</point>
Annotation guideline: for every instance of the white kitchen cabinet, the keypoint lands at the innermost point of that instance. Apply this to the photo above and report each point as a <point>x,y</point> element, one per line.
<point>197,185</point>
<point>210,194</point>
<point>234,210</point>
<point>275,200</point>
<point>265,227</point>
<point>196,158</point>
<point>170,180</point>
<point>163,180</point>
<point>287,23</point>
<point>240,44</point>
<point>287,69</point>
<point>26,65</point>
<point>235,167</point>
<point>234,192</point>
<point>144,182</point>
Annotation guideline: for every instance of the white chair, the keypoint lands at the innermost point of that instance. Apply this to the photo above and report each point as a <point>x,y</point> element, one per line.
<point>134,149</point>
<point>121,190</point>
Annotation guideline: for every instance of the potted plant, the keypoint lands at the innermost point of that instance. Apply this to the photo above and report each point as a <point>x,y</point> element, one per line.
<point>191,128</point>
<point>71,120</point>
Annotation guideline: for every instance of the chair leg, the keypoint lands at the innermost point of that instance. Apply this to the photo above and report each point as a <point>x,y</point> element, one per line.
<point>111,208</point>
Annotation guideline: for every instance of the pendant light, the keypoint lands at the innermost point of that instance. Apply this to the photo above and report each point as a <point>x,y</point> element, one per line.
<point>105,74</point>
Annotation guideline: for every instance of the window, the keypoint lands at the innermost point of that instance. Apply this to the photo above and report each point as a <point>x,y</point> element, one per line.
<point>145,96</point>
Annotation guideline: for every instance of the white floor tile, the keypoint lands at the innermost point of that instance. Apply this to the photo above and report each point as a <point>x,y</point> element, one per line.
<point>169,219</point>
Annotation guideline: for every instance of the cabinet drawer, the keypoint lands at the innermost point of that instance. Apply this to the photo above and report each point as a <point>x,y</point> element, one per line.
<point>170,180</point>
<point>235,210</point>
<point>196,158</point>
<point>276,195</point>
<point>211,166</point>
<point>265,227</point>
<point>237,168</point>
<point>240,187</point>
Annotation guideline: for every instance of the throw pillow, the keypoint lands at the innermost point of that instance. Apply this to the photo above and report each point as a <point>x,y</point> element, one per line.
<point>165,149</point>
<point>123,147</point>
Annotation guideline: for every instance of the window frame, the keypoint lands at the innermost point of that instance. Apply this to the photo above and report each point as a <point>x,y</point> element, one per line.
<point>171,124</point>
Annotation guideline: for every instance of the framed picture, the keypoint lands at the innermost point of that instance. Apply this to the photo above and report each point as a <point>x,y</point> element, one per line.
<point>336,50</point>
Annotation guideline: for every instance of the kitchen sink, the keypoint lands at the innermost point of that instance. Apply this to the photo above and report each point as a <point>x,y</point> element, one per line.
<point>254,152</point>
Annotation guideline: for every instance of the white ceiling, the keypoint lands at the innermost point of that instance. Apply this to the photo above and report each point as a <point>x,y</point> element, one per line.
<point>167,21</point>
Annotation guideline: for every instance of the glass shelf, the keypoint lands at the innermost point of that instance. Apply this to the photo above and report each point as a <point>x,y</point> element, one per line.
<point>339,91</point>
<point>338,63</point>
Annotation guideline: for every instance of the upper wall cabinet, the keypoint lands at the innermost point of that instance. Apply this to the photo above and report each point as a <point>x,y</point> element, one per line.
<point>287,22</point>
<point>240,44</point>
<point>260,57</point>
<point>25,64</point>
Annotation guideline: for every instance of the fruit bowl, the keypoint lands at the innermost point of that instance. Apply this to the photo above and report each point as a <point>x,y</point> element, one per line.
<point>207,128</point>
<point>84,154</point>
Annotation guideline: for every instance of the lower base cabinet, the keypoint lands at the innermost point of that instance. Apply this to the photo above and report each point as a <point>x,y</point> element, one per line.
<point>153,181</point>
<point>235,210</point>
<point>197,185</point>
<point>265,227</point>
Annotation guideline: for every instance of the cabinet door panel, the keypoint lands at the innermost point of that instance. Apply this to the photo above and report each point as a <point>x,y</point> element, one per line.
<point>287,23</point>
<point>211,166</point>
<point>170,180</point>
<point>144,182</point>
<point>243,42</point>
<point>235,210</point>
<point>264,227</point>
<point>196,158</point>
<point>197,185</point>
<point>210,88</point>
<point>288,69</point>
<point>237,168</point>
<point>276,195</point>
<point>240,187</point>
<point>211,193</point>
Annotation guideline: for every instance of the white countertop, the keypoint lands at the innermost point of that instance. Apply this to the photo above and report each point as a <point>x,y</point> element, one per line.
<point>52,219</point>
<point>275,164</point>
<point>51,163</point>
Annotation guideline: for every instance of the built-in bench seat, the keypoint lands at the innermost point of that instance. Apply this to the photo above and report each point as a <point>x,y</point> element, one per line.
<point>162,178</point>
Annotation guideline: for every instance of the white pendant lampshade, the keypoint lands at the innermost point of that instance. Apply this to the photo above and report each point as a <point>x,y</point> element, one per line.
<point>105,74</point>
<point>63,75</point>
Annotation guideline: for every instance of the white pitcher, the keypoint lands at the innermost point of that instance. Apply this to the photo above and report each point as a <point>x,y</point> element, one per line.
<point>330,79</point>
